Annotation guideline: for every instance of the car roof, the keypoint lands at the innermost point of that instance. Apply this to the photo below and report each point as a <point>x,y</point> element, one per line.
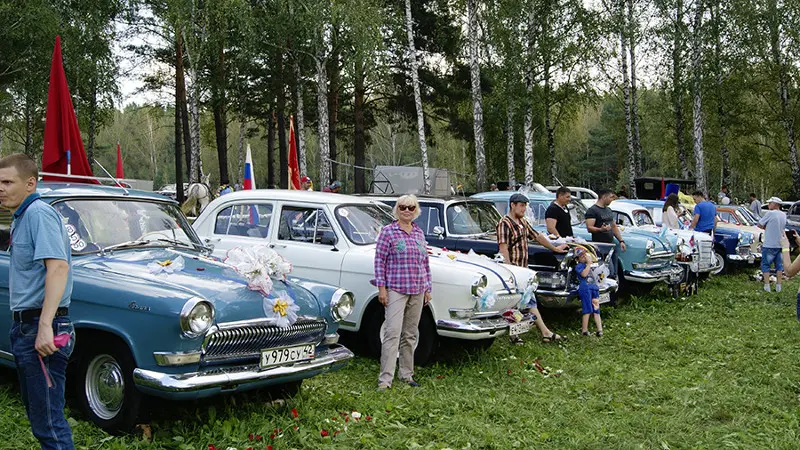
<point>60,190</point>
<point>427,198</point>
<point>627,205</point>
<point>644,202</point>
<point>299,196</point>
<point>505,195</point>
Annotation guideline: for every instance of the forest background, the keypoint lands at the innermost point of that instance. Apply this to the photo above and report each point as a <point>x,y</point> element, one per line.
<point>589,93</point>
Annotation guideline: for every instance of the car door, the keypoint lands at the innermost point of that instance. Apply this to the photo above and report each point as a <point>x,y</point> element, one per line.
<point>305,237</point>
<point>242,224</point>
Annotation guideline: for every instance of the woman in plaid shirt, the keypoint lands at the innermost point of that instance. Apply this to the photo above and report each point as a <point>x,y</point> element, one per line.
<point>403,277</point>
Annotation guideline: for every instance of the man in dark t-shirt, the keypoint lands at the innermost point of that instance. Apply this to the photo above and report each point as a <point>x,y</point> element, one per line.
<point>559,222</point>
<point>600,220</point>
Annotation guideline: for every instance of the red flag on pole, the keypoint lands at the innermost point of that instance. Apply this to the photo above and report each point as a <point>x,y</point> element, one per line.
<point>120,170</point>
<point>63,147</point>
<point>294,167</point>
<point>663,189</point>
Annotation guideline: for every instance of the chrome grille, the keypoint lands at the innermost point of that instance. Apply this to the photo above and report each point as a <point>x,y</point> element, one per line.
<point>706,251</point>
<point>248,340</point>
<point>743,250</point>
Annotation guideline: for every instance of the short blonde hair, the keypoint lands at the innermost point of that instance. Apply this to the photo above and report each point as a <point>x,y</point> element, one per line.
<point>406,200</point>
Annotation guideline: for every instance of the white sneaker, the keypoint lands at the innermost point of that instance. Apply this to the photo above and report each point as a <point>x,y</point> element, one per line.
<point>766,287</point>
<point>778,287</point>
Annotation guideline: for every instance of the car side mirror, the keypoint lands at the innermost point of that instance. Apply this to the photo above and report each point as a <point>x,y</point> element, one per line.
<point>328,239</point>
<point>438,231</point>
<point>571,206</point>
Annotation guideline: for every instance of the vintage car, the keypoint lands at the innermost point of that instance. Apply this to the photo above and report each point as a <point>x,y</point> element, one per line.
<point>464,224</point>
<point>331,238</point>
<point>154,314</point>
<point>739,218</point>
<point>647,261</point>
<point>585,195</point>
<point>694,250</point>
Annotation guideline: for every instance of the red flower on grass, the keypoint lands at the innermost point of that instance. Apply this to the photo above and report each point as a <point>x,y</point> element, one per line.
<point>369,418</point>
<point>294,413</point>
<point>439,377</point>
<point>324,433</point>
<point>211,447</point>
<point>269,447</point>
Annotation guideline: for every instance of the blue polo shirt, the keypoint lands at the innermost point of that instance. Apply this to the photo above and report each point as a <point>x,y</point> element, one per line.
<point>707,212</point>
<point>37,233</point>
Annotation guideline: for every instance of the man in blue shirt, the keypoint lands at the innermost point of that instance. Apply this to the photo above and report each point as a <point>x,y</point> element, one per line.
<point>705,214</point>
<point>40,286</point>
<point>773,223</point>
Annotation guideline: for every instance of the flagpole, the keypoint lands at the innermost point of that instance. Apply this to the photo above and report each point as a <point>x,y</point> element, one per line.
<point>69,162</point>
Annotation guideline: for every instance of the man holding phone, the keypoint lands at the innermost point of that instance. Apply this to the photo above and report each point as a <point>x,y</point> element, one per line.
<point>773,222</point>
<point>40,286</point>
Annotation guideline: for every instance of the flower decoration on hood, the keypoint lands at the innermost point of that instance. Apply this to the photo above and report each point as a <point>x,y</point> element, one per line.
<point>487,300</point>
<point>260,265</point>
<point>166,266</point>
<point>282,309</point>
<point>528,298</point>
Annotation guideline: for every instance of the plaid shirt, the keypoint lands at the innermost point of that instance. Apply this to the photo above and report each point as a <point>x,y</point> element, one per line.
<point>515,234</point>
<point>401,260</point>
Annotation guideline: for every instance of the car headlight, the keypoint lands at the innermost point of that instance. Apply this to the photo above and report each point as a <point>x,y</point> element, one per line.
<point>741,237</point>
<point>479,285</point>
<point>533,281</point>
<point>650,246</point>
<point>567,259</point>
<point>197,316</point>
<point>342,304</point>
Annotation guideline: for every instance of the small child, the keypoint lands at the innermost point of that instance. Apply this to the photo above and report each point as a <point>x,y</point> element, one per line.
<point>588,292</point>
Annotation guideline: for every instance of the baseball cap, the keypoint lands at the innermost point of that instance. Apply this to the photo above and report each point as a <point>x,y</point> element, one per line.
<point>774,200</point>
<point>579,251</point>
<point>518,198</point>
<point>336,184</point>
<point>305,179</point>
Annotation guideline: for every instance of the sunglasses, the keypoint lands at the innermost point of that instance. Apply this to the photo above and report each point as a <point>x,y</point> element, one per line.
<point>406,207</point>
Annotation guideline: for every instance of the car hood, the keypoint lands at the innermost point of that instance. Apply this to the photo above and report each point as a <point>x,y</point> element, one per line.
<point>200,277</point>
<point>628,232</point>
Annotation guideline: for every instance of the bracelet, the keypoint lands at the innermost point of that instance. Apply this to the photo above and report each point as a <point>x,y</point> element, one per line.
<point>785,250</point>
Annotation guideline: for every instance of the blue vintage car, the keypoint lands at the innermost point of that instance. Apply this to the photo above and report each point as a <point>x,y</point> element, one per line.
<point>183,333</point>
<point>647,261</point>
<point>464,224</point>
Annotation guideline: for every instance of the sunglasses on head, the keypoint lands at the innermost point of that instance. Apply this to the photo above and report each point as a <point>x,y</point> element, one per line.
<point>406,207</point>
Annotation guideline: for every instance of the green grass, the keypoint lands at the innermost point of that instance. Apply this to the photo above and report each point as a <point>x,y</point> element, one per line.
<point>715,370</point>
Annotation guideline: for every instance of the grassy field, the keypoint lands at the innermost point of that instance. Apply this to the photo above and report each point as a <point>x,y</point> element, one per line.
<point>716,370</point>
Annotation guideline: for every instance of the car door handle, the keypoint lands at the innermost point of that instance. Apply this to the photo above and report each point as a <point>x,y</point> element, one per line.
<point>277,246</point>
<point>213,240</point>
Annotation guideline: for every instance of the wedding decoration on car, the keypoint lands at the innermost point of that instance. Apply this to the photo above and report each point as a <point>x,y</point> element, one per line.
<point>282,309</point>
<point>166,266</point>
<point>260,265</point>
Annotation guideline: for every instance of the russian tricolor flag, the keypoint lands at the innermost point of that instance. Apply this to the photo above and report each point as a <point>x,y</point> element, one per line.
<point>249,179</point>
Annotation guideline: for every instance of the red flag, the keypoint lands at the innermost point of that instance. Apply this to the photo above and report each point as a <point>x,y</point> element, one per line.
<point>294,167</point>
<point>663,189</point>
<point>120,170</point>
<point>63,147</point>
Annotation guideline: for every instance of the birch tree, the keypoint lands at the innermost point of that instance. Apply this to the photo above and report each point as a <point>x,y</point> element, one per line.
<point>510,143</point>
<point>632,36</point>
<point>697,97</point>
<point>414,69</point>
<point>626,96</point>
<point>477,100</point>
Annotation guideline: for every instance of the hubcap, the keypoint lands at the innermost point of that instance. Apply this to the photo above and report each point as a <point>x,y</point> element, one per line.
<point>720,262</point>
<point>105,386</point>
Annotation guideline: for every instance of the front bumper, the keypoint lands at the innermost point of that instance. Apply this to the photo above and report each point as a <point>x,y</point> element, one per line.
<point>472,329</point>
<point>749,259</point>
<point>215,380</point>
<point>563,298</point>
<point>670,274</point>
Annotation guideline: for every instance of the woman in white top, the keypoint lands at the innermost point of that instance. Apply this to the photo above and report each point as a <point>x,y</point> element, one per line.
<point>669,217</point>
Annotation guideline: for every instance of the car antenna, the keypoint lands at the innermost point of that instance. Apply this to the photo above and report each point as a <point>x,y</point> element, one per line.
<point>558,181</point>
<point>109,176</point>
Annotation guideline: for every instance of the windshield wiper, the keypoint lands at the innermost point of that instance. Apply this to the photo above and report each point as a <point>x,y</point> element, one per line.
<point>173,242</point>
<point>134,243</point>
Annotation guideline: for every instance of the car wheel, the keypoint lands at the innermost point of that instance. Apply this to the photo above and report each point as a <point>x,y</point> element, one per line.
<point>426,338</point>
<point>105,389</point>
<point>720,260</point>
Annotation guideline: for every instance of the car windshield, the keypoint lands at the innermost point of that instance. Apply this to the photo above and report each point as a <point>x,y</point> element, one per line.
<point>96,224</point>
<point>745,218</point>
<point>362,223</point>
<point>472,218</point>
<point>642,217</point>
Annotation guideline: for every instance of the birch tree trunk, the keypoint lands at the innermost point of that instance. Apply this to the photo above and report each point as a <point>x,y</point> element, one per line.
<point>301,121</point>
<point>29,107</point>
<point>549,129</point>
<point>697,101</point>
<point>626,102</point>
<point>414,67</point>
<point>637,143</point>
<point>477,100</point>
<point>529,140</point>
<point>193,94</point>
<point>783,91</point>
<point>510,143</point>
<point>721,111</point>
<point>322,121</point>
<point>677,88</point>
<point>240,161</point>
<point>92,127</point>
<point>359,131</point>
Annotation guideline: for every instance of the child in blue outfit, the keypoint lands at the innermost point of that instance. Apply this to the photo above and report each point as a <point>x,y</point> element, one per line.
<point>588,292</point>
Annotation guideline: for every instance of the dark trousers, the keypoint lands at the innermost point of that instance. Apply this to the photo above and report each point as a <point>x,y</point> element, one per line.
<point>44,404</point>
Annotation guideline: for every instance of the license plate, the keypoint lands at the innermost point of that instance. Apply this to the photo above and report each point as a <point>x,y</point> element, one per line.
<point>285,355</point>
<point>605,297</point>
<point>517,328</point>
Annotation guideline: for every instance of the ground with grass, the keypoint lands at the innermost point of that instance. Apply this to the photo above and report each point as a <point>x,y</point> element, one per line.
<point>715,370</point>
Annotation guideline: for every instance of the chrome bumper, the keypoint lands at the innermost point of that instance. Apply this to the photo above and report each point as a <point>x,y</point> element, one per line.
<point>750,259</point>
<point>472,329</point>
<point>565,299</point>
<point>672,274</point>
<point>331,359</point>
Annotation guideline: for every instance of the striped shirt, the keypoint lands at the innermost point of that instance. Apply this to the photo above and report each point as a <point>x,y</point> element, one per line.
<point>401,260</point>
<point>515,234</point>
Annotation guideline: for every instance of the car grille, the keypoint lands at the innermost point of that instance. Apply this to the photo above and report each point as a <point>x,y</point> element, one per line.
<point>743,250</point>
<point>706,252</point>
<point>248,340</point>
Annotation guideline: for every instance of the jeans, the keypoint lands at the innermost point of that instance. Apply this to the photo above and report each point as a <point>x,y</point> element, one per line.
<point>770,256</point>
<point>44,405</point>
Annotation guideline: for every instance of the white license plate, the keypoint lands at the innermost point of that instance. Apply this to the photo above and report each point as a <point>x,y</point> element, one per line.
<point>285,355</point>
<point>605,297</point>
<point>515,329</point>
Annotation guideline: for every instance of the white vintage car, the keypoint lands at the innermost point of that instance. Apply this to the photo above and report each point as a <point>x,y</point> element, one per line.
<point>330,238</point>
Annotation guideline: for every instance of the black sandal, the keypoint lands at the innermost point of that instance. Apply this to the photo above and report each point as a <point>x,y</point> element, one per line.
<point>599,333</point>
<point>585,333</point>
<point>516,340</point>
<point>555,337</point>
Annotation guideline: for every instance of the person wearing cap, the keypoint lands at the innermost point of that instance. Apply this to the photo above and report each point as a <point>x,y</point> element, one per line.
<point>773,222</point>
<point>589,293</point>
<point>513,232</point>
<point>305,183</point>
<point>334,187</point>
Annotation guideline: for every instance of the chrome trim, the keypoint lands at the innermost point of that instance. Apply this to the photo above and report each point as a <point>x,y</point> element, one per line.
<point>247,341</point>
<point>184,317</point>
<point>661,255</point>
<point>330,339</point>
<point>325,361</point>
<point>654,276</point>
<point>496,326</point>
<point>255,322</point>
<point>336,298</point>
<point>6,355</point>
<point>177,358</point>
